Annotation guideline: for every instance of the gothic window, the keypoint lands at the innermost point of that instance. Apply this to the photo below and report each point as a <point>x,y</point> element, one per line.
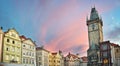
<point>104,54</point>
<point>104,47</point>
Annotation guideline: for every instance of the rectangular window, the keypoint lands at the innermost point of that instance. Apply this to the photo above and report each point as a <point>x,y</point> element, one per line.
<point>23,45</point>
<point>26,60</point>
<point>40,59</point>
<point>23,53</point>
<point>32,61</point>
<point>23,60</point>
<point>7,49</point>
<point>40,63</point>
<point>32,54</point>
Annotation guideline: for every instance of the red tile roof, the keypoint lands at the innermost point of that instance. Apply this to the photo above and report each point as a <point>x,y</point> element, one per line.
<point>115,45</point>
<point>84,59</point>
<point>23,37</point>
<point>54,53</point>
<point>72,55</point>
<point>41,48</point>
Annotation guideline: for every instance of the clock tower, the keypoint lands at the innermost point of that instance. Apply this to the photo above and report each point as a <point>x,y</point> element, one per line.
<point>95,36</point>
<point>95,33</point>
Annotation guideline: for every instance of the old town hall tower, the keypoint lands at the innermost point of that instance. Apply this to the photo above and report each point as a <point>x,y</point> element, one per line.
<point>95,36</point>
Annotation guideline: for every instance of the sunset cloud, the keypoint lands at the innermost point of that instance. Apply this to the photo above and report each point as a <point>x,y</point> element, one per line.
<point>60,24</point>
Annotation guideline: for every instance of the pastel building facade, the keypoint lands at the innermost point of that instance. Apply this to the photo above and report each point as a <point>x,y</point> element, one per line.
<point>42,57</point>
<point>115,54</point>
<point>56,59</point>
<point>28,51</point>
<point>11,47</point>
<point>72,60</point>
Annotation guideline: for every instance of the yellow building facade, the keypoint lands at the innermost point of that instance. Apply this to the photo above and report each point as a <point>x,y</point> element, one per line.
<point>56,59</point>
<point>11,47</point>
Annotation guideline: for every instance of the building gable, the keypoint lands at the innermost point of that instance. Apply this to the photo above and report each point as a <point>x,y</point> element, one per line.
<point>12,33</point>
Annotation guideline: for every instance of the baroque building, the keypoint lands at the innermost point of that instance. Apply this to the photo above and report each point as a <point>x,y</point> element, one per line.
<point>95,36</point>
<point>42,56</point>
<point>11,47</point>
<point>28,51</point>
<point>56,59</point>
<point>72,60</point>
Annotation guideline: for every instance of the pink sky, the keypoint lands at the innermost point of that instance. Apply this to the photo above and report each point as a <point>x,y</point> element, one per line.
<point>60,24</point>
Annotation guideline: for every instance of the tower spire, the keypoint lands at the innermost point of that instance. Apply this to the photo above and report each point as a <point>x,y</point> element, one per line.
<point>94,14</point>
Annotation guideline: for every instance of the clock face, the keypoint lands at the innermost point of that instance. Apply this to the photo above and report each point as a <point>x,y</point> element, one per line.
<point>93,26</point>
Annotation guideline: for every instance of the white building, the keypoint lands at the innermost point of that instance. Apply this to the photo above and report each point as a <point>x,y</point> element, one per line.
<point>72,60</point>
<point>28,51</point>
<point>42,57</point>
<point>115,54</point>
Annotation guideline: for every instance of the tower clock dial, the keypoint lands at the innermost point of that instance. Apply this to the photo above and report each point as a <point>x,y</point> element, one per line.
<point>93,26</point>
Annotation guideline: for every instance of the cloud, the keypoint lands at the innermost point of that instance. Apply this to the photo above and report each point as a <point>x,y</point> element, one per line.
<point>66,28</point>
<point>114,34</point>
<point>59,25</point>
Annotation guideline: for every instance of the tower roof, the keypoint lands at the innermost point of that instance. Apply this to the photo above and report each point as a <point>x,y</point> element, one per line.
<point>94,14</point>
